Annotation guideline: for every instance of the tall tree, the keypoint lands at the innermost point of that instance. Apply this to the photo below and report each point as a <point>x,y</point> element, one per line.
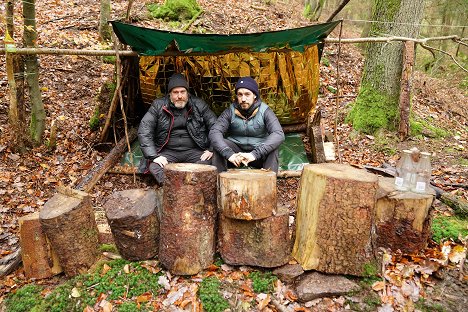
<point>313,9</point>
<point>38,114</point>
<point>104,28</point>
<point>377,103</point>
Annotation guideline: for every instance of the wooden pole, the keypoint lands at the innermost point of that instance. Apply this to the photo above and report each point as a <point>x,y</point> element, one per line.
<point>405,89</point>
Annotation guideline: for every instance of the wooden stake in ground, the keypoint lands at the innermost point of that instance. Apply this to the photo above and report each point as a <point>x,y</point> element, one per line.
<point>334,219</point>
<point>263,243</point>
<point>402,220</point>
<point>39,260</point>
<point>187,229</point>
<point>247,194</point>
<point>132,217</point>
<point>68,221</point>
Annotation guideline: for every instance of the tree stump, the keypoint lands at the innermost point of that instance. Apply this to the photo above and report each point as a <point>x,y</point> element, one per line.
<point>187,229</point>
<point>39,260</point>
<point>334,219</point>
<point>68,221</point>
<point>403,220</point>
<point>263,243</point>
<point>247,194</point>
<point>132,217</point>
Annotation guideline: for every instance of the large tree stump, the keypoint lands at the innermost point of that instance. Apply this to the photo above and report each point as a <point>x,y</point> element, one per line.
<point>39,259</point>
<point>247,194</point>
<point>68,221</point>
<point>132,217</point>
<point>263,243</point>
<point>402,220</point>
<point>334,220</point>
<point>187,229</point>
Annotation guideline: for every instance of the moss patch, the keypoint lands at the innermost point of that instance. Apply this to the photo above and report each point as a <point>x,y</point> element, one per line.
<point>175,10</point>
<point>448,228</point>
<point>210,296</point>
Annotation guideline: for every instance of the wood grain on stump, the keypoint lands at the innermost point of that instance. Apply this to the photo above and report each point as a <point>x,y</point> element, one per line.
<point>247,194</point>
<point>132,217</point>
<point>402,220</point>
<point>263,243</point>
<point>334,220</point>
<point>187,228</point>
<point>39,259</point>
<point>69,223</point>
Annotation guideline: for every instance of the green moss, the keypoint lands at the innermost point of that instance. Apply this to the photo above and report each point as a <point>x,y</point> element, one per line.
<point>109,59</point>
<point>448,228</point>
<point>424,306</point>
<point>175,10</point>
<point>24,299</point>
<point>210,297</point>
<point>262,282</point>
<point>108,248</point>
<point>385,142</point>
<point>94,121</point>
<point>424,127</point>
<point>463,162</point>
<point>372,111</point>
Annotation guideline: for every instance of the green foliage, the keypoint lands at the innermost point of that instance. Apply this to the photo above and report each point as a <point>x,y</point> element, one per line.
<point>94,120</point>
<point>131,307</point>
<point>109,59</point>
<point>175,10</point>
<point>372,300</point>
<point>372,111</point>
<point>210,297</point>
<point>448,228</point>
<point>108,248</point>
<point>325,61</point>
<point>24,299</point>
<point>262,282</point>
<point>424,306</point>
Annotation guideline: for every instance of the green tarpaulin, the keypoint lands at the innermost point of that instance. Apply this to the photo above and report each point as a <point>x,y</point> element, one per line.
<point>147,41</point>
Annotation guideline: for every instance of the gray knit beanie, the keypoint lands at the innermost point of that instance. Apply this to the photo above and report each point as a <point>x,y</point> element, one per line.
<point>177,80</point>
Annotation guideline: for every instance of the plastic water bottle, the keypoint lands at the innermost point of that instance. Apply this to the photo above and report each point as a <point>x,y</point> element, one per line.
<point>423,174</point>
<point>404,171</point>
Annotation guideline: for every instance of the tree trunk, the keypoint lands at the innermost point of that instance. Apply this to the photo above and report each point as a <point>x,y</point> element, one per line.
<point>313,9</point>
<point>405,90</point>
<point>247,194</point>
<point>105,31</point>
<point>263,243</point>
<point>187,228</point>
<point>68,221</point>
<point>39,260</point>
<point>32,73</point>
<point>377,103</point>
<point>402,220</point>
<point>334,219</point>
<point>132,217</point>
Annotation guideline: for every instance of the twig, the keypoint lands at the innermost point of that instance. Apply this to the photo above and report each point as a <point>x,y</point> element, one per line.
<point>338,9</point>
<point>445,52</point>
<point>194,18</point>
<point>337,102</point>
<point>259,8</point>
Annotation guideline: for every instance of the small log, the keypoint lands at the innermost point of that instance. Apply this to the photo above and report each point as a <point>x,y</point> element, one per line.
<point>68,221</point>
<point>39,259</point>
<point>10,262</point>
<point>334,219</point>
<point>93,176</point>
<point>247,194</point>
<point>457,203</point>
<point>187,229</point>
<point>263,243</point>
<point>132,217</point>
<point>402,218</point>
<point>316,138</point>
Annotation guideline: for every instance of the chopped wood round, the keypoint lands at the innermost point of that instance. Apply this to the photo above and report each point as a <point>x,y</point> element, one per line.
<point>334,219</point>
<point>187,228</point>
<point>247,194</point>
<point>39,259</point>
<point>264,243</point>
<point>132,217</point>
<point>71,228</point>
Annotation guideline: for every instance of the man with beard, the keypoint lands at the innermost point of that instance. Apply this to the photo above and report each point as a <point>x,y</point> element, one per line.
<point>175,129</point>
<point>248,132</point>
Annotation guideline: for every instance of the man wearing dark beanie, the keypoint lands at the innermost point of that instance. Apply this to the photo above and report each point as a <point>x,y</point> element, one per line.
<point>248,132</point>
<point>175,129</point>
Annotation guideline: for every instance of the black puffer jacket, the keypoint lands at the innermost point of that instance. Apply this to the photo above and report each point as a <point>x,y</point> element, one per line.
<point>155,127</point>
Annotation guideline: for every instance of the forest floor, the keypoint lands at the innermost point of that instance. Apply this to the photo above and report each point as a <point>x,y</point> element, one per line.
<point>70,86</point>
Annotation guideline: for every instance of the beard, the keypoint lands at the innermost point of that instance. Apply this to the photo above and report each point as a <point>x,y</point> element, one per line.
<point>180,104</point>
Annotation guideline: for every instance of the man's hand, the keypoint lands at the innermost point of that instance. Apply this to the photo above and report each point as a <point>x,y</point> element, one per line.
<point>236,159</point>
<point>161,160</point>
<point>206,155</point>
<point>247,158</point>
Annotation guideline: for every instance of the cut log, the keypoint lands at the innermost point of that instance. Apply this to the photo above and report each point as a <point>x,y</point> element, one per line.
<point>457,203</point>
<point>402,220</point>
<point>316,138</point>
<point>247,194</point>
<point>68,221</point>
<point>334,220</point>
<point>39,259</point>
<point>187,228</point>
<point>264,243</point>
<point>132,217</point>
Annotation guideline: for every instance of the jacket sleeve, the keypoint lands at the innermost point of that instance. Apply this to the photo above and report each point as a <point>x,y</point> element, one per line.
<point>217,132</point>
<point>147,132</point>
<point>275,137</point>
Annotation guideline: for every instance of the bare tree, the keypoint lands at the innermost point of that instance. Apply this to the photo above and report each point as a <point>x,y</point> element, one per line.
<point>105,31</point>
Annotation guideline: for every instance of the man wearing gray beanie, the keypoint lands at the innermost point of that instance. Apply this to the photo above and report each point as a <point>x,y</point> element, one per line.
<point>175,129</point>
<point>248,132</point>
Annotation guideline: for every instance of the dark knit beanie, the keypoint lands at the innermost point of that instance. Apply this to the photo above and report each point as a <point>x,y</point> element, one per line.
<point>177,80</point>
<point>248,83</point>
